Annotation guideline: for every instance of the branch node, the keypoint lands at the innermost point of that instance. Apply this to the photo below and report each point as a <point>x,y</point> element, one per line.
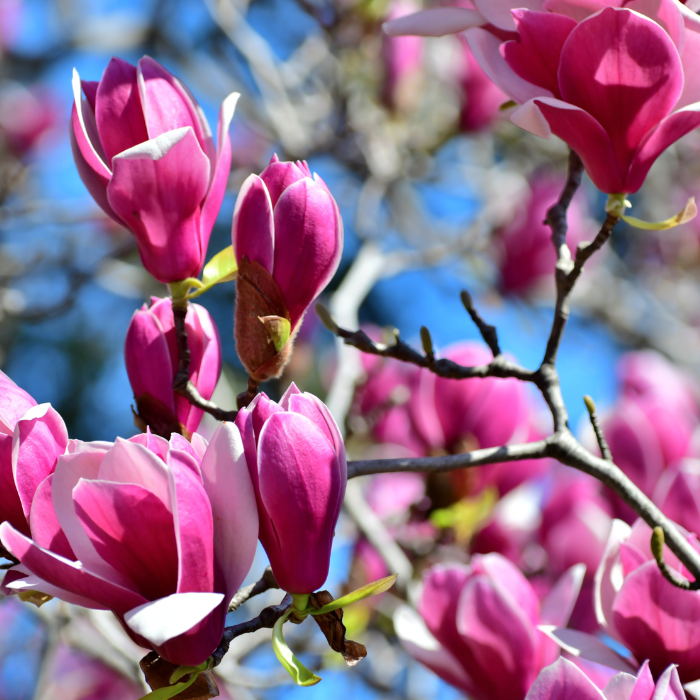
<point>427,342</point>
<point>672,576</point>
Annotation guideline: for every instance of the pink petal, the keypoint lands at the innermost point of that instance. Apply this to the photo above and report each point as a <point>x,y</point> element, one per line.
<point>147,358</point>
<point>118,111</point>
<point>659,622</point>
<point>498,636</point>
<point>157,188</point>
<point>278,176</point>
<point>308,244</point>
<point>155,443</point>
<point>194,527</point>
<point>46,530</point>
<point>131,463</point>
<point>623,70</point>
<point>299,485</point>
<point>644,684</point>
<point>436,21</point>
<point>421,645</point>
<point>169,105</point>
<point>535,55</point>
<point>559,603</point>
<point>609,576</point>
<point>498,12</point>
<point>563,680</point>
<point>68,575</point>
<point>227,482</point>
<point>39,438</point>
<point>184,628</point>
<point>668,687</point>
<point>690,57</point>
<point>14,403</point>
<point>487,50</point>
<point>116,516</point>
<point>253,224</point>
<point>87,150</point>
<point>84,464</point>
<point>221,169</point>
<point>674,127</point>
<point>580,131</point>
<point>442,586</point>
<point>181,444</point>
<point>10,505</point>
<point>186,413</point>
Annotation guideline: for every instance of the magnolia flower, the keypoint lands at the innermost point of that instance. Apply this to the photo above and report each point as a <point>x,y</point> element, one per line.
<point>160,533</point>
<point>296,458</point>
<point>151,355</point>
<point>144,150</point>
<point>288,238</point>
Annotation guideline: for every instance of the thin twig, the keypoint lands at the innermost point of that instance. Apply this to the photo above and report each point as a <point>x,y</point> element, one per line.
<point>266,583</point>
<point>488,332</point>
<point>182,383</point>
<point>266,619</point>
<point>597,429</point>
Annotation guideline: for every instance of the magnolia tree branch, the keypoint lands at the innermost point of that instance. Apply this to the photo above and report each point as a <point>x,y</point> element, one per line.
<point>561,445</point>
<point>182,383</point>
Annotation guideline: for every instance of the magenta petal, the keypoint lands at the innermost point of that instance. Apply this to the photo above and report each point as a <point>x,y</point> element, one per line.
<point>14,403</point>
<point>68,575</point>
<point>499,12</point>
<point>221,169</point>
<point>535,55</point>
<point>10,505</point>
<point>118,111</point>
<point>563,680</point>
<point>299,478</point>
<point>40,437</point>
<point>659,622</point>
<point>181,444</point>
<point>666,133</point>
<point>87,150</point>
<point>194,527</point>
<point>623,70</point>
<point>308,244</point>
<point>278,176</point>
<point>643,688</point>
<point>116,516</point>
<point>147,358</point>
<point>487,50</point>
<point>229,485</point>
<point>253,224</point>
<point>582,133</point>
<point>157,188</point>
<point>668,687</point>
<point>498,636</point>
<point>168,105</point>
<point>46,530</point>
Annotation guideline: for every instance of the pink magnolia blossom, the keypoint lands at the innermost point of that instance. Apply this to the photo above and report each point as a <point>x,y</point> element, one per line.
<point>526,256</point>
<point>479,626</point>
<point>637,606</point>
<point>26,116</point>
<point>563,680</point>
<point>144,150</point>
<point>32,437</point>
<point>288,238</point>
<point>678,494</point>
<point>481,97</point>
<point>575,67</point>
<point>160,533</point>
<point>403,57</point>
<point>456,416</point>
<point>151,355</point>
<point>296,458</point>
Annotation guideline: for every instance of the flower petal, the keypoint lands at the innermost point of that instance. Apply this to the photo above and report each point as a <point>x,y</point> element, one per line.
<point>563,680</point>
<point>624,70</point>
<point>67,574</point>
<point>157,188</point>
<point>115,517</point>
<point>14,403</point>
<point>253,231</point>
<point>487,50</point>
<point>161,620</point>
<point>437,21</point>
<point>118,111</point>
<point>44,525</point>
<point>228,483</point>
